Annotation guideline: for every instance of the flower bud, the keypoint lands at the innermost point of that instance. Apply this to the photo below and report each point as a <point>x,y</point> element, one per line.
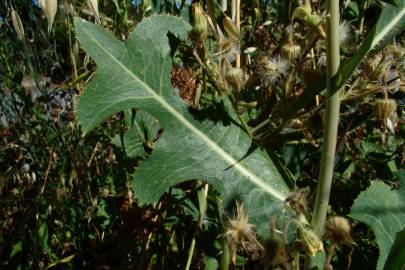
<point>235,77</point>
<point>49,7</point>
<point>200,27</point>
<point>17,24</point>
<point>304,13</point>
<point>311,241</point>
<point>231,28</point>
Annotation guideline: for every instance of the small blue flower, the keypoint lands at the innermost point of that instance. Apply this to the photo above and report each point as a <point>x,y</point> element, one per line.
<point>35,3</point>
<point>178,2</point>
<point>137,3</point>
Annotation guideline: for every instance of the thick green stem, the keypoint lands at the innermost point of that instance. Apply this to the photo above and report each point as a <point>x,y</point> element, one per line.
<point>224,5</point>
<point>331,122</point>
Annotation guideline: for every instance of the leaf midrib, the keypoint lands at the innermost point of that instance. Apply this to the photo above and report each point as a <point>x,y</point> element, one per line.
<point>386,29</point>
<point>215,147</point>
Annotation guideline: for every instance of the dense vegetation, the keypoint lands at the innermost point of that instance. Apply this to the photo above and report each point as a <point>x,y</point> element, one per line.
<point>179,135</point>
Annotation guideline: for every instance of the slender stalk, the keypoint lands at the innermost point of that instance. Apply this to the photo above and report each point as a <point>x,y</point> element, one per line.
<point>238,25</point>
<point>190,254</point>
<point>202,202</point>
<point>331,122</point>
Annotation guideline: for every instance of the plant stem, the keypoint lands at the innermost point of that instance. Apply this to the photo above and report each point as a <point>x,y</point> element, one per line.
<point>238,26</point>
<point>225,255</point>
<point>331,122</point>
<point>224,5</point>
<point>190,254</point>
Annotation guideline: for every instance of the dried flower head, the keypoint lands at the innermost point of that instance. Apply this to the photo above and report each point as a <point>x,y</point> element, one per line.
<point>272,69</point>
<point>239,228</point>
<point>337,230</point>
<point>311,241</point>
<point>184,80</point>
<point>241,231</point>
<point>376,67</point>
<point>385,108</point>
<point>372,63</point>
<point>291,51</point>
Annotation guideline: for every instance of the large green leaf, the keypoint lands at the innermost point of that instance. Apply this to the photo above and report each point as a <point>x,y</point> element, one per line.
<point>142,131</point>
<point>137,74</point>
<point>390,23</point>
<point>383,209</point>
<point>396,257</point>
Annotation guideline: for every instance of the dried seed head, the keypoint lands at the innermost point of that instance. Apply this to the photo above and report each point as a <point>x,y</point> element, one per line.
<point>49,7</point>
<point>291,51</point>
<point>371,65</point>
<point>240,228</point>
<point>272,70</point>
<point>17,24</point>
<point>385,108</point>
<point>337,230</point>
<point>200,27</point>
<point>311,241</point>
<point>344,32</point>
<point>185,81</point>
<point>93,6</point>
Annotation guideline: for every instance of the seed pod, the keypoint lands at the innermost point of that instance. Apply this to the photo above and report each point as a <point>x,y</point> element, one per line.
<point>49,7</point>
<point>93,5</point>
<point>304,13</point>
<point>200,27</point>
<point>231,28</point>
<point>17,24</point>
<point>235,77</point>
